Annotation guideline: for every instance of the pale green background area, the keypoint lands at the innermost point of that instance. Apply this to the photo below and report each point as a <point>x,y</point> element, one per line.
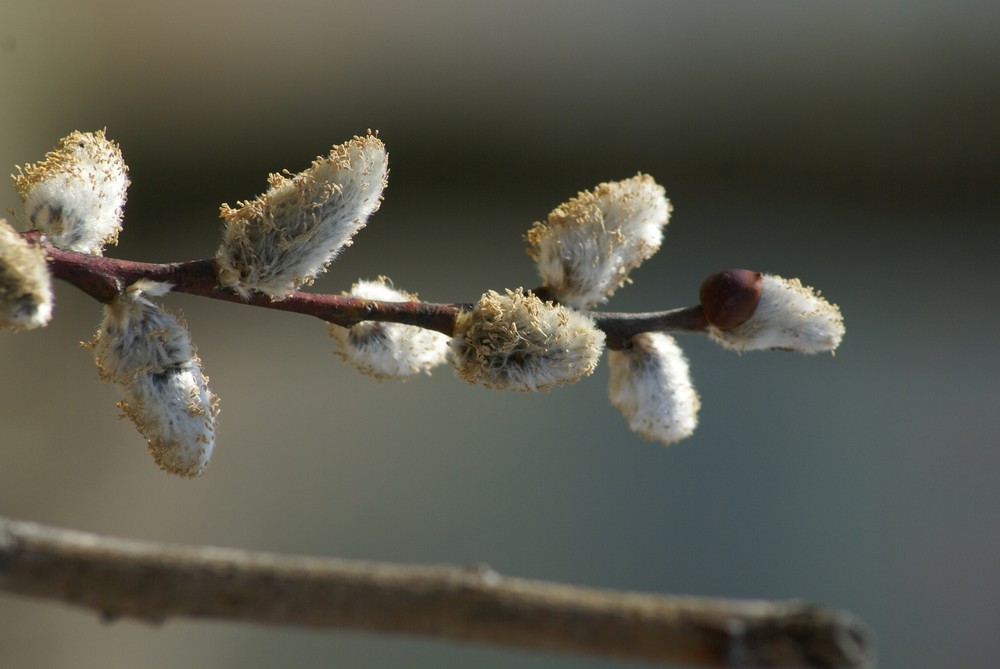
<point>854,145</point>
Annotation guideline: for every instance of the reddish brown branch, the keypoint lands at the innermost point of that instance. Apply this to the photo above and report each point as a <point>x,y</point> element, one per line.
<point>154,582</point>
<point>103,278</point>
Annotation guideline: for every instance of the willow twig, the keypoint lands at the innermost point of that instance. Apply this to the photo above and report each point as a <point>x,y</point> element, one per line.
<point>103,278</point>
<point>154,582</point>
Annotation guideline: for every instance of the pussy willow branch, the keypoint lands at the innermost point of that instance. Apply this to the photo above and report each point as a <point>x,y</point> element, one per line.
<point>154,582</point>
<point>103,278</point>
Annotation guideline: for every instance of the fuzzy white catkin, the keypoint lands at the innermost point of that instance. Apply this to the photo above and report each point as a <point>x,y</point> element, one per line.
<point>388,350</point>
<point>650,384</point>
<point>285,237</point>
<point>517,342</point>
<point>789,316</point>
<point>148,352</point>
<point>586,247</point>
<point>76,195</point>
<point>25,284</point>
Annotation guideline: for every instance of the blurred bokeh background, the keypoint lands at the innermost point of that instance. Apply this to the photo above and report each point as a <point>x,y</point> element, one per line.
<point>853,145</point>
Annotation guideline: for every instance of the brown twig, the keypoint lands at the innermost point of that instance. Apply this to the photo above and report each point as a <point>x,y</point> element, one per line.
<point>103,278</point>
<point>154,582</point>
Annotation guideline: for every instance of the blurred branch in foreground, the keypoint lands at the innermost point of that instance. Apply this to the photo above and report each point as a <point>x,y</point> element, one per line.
<point>154,582</point>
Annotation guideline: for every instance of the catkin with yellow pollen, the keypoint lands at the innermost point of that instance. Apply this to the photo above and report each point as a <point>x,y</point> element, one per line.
<point>25,284</point>
<point>789,316</point>
<point>586,247</point>
<point>76,194</point>
<point>148,352</point>
<point>515,341</point>
<point>285,237</point>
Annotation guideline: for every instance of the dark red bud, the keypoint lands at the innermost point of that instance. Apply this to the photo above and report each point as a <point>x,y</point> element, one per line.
<point>729,298</point>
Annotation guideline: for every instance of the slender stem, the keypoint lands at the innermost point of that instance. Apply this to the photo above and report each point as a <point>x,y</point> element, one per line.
<point>618,327</point>
<point>154,582</point>
<point>103,278</point>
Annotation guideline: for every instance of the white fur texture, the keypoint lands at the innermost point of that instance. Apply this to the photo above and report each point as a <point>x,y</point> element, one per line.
<point>25,284</point>
<point>587,246</point>
<point>650,384</point>
<point>148,352</point>
<point>789,316</point>
<point>388,350</point>
<point>517,342</point>
<point>284,238</point>
<point>76,195</point>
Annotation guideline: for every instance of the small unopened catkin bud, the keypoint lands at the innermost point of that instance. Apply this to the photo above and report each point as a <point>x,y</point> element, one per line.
<point>77,193</point>
<point>148,352</point>
<point>586,247</point>
<point>388,350</point>
<point>517,342</point>
<point>789,316</point>
<point>25,284</point>
<point>729,298</point>
<point>651,385</point>
<point>285,237</point>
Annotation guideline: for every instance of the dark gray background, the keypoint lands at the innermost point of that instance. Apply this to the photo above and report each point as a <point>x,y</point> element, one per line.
<point>853,145</point>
